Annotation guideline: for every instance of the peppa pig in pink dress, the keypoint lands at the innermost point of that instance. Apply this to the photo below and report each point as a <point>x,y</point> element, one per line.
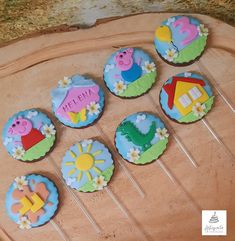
<point>29,136</point>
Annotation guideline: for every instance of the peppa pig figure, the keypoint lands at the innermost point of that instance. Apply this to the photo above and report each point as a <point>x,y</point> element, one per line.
<point>29,136</point>
<point>130,71</point>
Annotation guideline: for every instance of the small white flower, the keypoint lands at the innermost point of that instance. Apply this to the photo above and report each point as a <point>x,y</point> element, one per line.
<point>202,30</point>
<point>31,114</point>
<point>20,182</point>
<point>7,140</point>
<point>170,54</point>
<point>198,109</point>
<point>148,67</point>
<point>133,154</point>
<point>18,152</point>
<point>86,142</point>
<point>140,118</point>
<point>93,108</point>
<point>24,223</point>
<point>119,87</point>
<point>64,82</point>
<point>162,133</point>
<point>187,74</point>
<point>48,130</point>
<point>99,182</point>
<point>170,21</point>
<point>70,180</point>
<point>109,67</point>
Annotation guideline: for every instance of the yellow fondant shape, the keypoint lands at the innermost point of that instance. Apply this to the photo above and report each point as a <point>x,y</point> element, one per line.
<point>79,116</point>
<point>38,203</point>
<point>183,88</point>
<point>26,205</point>
<point>163,33</point>
<point>84,162</point>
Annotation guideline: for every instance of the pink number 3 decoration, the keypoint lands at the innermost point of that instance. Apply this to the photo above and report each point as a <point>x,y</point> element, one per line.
<point>186,27</point>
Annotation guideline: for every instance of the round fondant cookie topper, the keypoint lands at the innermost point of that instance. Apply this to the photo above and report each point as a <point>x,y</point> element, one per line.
<point>78,101</point>
<point>180,40</point>
<point>29,135</point>
<point>31,201</point>
<point>186,97</point>
<point>87,166</point>
<point>141,138</point>
<point>129,72</point>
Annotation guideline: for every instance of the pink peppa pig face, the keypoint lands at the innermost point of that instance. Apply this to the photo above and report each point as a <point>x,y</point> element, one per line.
<point>124,59</point>
<point>20,127</point>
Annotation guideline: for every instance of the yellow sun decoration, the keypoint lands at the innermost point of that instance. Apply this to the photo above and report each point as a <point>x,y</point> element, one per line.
<point>84,162</point>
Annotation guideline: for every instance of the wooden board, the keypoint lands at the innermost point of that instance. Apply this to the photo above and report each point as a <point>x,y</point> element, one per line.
<point>29,69</point>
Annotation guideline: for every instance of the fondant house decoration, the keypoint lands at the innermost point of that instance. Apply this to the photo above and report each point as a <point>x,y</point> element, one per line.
<point>184,93</point>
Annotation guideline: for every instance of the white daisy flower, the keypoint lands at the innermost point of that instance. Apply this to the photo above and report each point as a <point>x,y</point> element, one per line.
<point>140,118</point>
<point>133,154</point>
<point>18,152</point>
<point>48,130</point>
<point>64,82</point>
<point>162,133</point>
<point>70,180</point>
<point>31,114</point>
<point>7,140</point>
<point>108,67</point>
<point>170,54</point>
<point>86,142</point>
<point>202,30</point>
<point>119,87</point>
<point>198,109</point>
<point>20,182</point>
<point>170,21</point>
<point>187,74</point>
<point>99,182</point>
<point>149,67</point>
<point>24,223</point>
<point>93,108</point>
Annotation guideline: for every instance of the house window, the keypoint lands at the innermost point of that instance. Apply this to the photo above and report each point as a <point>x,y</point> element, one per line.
<point>184,100</point>
<point>195,93</point>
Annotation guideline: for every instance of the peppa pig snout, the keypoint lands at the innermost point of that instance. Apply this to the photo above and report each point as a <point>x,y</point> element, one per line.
<point>124,59</point>
<point>20,126</point>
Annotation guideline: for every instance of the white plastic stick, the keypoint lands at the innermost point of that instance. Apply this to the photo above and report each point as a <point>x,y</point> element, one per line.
<point>214,134</point>
<point>169,127</point>
<point>117,202</point>
<point>165,170</point>
<point>122,165</point>
<point>59,230</point>
<point>184,150</point>
<point>203,69</point>
<point>76,199</point>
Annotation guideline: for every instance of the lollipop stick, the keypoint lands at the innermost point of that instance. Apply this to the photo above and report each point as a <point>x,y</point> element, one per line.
<point>169,127</point>
<point>122,165</point>
<point>203,68</point>
<point>184,150</point>
<point>76,199</point>
<point>214,134</point>
<point>117,202</point>
<point>165,170</point>
<point>59,230</point>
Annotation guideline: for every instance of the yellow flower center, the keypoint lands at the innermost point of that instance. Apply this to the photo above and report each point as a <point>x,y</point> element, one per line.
<point>199,109</point>
<point>98,181</point>
<point>170,54</point>
<point>119,86</point>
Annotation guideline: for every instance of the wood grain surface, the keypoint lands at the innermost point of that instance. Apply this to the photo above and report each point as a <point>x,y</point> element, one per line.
<point>29,69</point>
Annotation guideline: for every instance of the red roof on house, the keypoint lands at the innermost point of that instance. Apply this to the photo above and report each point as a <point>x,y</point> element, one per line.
<point>170,88</point>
